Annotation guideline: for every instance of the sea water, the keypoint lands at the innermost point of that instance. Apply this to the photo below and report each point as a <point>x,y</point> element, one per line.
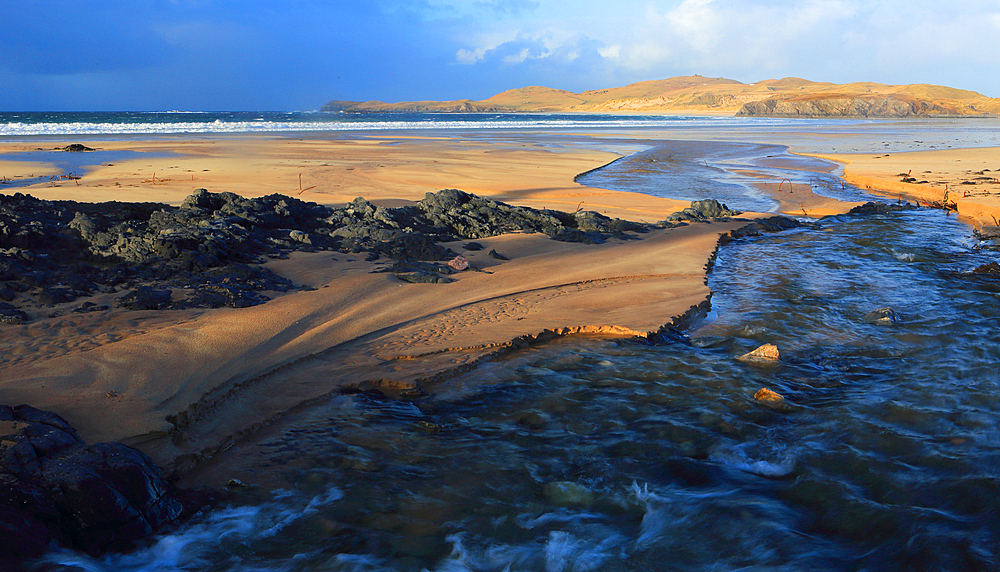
<point>589,454</point>
<point>20,124</point>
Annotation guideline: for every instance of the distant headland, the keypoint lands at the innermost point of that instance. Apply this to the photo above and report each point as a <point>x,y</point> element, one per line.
<point>788,97</point>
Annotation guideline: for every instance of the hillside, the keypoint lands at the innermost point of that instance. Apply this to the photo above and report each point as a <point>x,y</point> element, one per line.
<point>788,97</point>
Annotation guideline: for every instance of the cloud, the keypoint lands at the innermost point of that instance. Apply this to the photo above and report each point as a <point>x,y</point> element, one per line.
<point>508,7</point>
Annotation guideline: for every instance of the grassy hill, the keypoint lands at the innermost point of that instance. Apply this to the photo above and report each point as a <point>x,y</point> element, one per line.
<point>790,97</point>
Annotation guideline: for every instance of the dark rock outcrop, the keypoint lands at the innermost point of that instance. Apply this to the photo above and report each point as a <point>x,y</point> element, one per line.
<point>700,211</point>
<point>76,148</point>
<point>204,253</point>
<point>56,489</point>
<point>873,208</point>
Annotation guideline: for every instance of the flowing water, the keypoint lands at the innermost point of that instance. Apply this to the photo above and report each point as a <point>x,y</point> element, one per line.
<point>588,454</point>
<point>725,171</point>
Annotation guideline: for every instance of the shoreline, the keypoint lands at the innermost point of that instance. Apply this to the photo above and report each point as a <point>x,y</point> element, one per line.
<point>118,375</point>
<point>964,180</point>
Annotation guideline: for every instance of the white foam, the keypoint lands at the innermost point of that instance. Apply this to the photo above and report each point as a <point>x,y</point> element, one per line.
<point>779,461</point>
<point>188,548</point>
<point>17,129</point>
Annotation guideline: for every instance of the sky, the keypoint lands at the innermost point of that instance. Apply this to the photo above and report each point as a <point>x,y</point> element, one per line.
<point>149,55</point>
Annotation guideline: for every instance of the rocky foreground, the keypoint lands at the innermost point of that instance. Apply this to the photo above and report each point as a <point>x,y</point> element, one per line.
<point>55,489</point>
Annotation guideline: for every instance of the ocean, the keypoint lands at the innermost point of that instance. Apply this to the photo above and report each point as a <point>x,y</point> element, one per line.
<point>14,124</point>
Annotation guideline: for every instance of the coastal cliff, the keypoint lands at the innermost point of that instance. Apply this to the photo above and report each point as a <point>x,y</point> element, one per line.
<point>856,106</point>
<point>788,97</point>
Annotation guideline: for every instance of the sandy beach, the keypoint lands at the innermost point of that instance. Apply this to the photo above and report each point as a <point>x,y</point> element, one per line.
<point>133,376</point>
<point>119,375</point>
<point>966,178</point>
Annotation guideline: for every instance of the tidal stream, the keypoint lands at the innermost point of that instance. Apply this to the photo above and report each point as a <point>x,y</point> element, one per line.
<point>589,454</point>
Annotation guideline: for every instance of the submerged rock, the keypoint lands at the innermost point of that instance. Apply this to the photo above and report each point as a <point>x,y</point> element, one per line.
<point>569,494</point>
<point>882,316</point>
<point>770,399</point>
<point>767,353</point>
<point>989,268</point>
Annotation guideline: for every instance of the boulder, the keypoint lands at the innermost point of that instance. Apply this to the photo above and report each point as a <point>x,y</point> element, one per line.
<point>702,210</point>
<point>53,487</point>
<point>459,263</point>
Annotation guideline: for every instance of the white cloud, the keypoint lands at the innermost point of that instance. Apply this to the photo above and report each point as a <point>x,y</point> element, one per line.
<point>610,52</point>
<point>517,58</point>
<point>891,41</point>
<point>465,56</point>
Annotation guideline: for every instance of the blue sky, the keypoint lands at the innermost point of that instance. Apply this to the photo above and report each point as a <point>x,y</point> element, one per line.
<point>298,54</point>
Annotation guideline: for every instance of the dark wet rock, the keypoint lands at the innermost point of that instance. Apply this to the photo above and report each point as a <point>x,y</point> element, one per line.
<point>872,208</point>
<point>9,314</point>
<point>76,148</point>
<point>94,498</point>
<point>494,254</point>
<point>989,268</point>
<point>760,226</point>
<point>702,210</point>
<point>472,246</point>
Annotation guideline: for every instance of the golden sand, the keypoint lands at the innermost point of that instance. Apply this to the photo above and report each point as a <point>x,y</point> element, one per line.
<point>969,178</point>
